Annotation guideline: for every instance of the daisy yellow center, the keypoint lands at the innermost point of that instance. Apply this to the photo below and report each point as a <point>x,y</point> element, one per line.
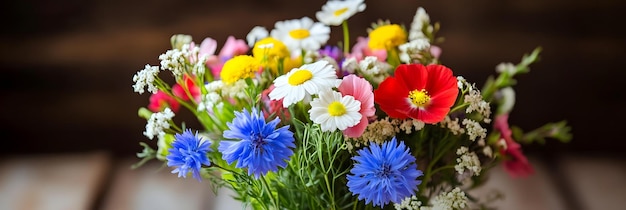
<point>299,33</point>
<point>419,97</point>
<point>299,77</point>
<point>340,11</point>
<point>336,109</point>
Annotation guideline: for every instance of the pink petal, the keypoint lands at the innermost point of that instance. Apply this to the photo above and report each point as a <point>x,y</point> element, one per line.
<point>233,47</point>
<point>361,90</point>
<point>435,51</point>
<point>208,47</point>
<point>358,129</point>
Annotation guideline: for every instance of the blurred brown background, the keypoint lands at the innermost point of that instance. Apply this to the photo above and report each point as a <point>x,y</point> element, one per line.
<point>67,65</point>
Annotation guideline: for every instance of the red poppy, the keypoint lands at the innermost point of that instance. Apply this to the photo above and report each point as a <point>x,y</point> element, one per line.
<point>420,92</point>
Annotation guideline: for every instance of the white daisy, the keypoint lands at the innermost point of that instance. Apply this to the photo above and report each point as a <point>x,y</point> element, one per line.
<point>303,82</point>
<point>333,111</point>
<point>335,12</point>
<point>257,33</point>
<point>302,34</point>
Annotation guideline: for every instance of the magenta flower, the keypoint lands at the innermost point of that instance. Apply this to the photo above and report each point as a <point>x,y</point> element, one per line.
<point>187,88</point>
<point>361,90</point>
<point>160,100</point>
<point>515,163</point>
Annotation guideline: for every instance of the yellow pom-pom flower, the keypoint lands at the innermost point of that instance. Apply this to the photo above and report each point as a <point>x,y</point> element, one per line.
<point>387,37</point>
<point>239,67</point>
<point>270,49</point>
<point>269,52</point>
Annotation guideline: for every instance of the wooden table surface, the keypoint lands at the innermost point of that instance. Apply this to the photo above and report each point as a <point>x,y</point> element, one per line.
<point>96,180</point>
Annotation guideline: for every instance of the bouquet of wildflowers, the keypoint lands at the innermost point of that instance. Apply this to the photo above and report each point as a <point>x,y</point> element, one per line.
<point>289,122</point>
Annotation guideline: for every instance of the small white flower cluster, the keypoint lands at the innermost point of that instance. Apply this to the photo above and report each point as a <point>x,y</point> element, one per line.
<point>380,131</point>
<point>409,125</point>
<point>455,199</point>
<point>157,123</point>
<point>210,100</point>
<point>420,20</point>
<point>409,203</point>
<point>213,97</point>
<point>410,51</point>
<point>474,130</point>
<point>200,66</point>
<point>176,59</point>
<point>477,104</point>
<point>453,125</point>
<point>310,56</point>
<point>462,83</point>
<point>217,90</point>
<point>467,160</point>
<point>369,67</point>
<point>509,68</point>
<point>488,151</point>
<point>237,89</point>
<point>146,77</point>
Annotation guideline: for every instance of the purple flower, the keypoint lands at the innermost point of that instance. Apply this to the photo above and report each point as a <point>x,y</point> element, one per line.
<point>384,174</point>
<point>261,146</point>
<point>188,152</point>
<point>331,51</point>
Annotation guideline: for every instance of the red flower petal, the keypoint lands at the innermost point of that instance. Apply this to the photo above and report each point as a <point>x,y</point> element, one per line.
<point>391,97</point>
<point>438,81</point>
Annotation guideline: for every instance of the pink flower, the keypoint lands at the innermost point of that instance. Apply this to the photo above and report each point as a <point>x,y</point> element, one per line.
<point>186,89</point>
<point>361,50</point>
<point>273,106</point>
<point>160,100</point>
<point>435,51</point>
<point>515,163</point>
<point>361,90</point>
<point>233,47</point>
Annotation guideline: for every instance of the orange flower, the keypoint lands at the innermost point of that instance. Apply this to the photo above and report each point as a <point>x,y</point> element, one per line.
<point>420,92</point>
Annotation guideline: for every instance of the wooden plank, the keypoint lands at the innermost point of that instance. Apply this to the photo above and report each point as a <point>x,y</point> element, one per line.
<point>151,187</point>
<point>52,182</point>
<point>535,192</point>
<point>598,182</point>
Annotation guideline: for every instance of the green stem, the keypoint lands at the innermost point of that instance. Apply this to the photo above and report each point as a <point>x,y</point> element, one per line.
<point>346,37</point>
<point>429,172</point>
<point>266,187</point>
<point>442,168</point>
<point>456,108</point>
<point>392,57</point>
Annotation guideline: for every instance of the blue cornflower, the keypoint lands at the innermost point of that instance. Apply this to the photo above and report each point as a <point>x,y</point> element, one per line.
<point>384,173</point>
<point>188,152</point>
<point>261,148</point>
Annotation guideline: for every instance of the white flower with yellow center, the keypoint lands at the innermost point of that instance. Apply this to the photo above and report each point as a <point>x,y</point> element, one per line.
<point>301,34</point>
<point>335,12</point>
<point>333,111</point>
<point>303,82</point>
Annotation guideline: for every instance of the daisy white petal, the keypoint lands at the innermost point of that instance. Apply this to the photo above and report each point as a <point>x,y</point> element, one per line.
<point>301,34</point>
<point>303,82</point>
<point>335,12</point>
<point>333,111</point>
